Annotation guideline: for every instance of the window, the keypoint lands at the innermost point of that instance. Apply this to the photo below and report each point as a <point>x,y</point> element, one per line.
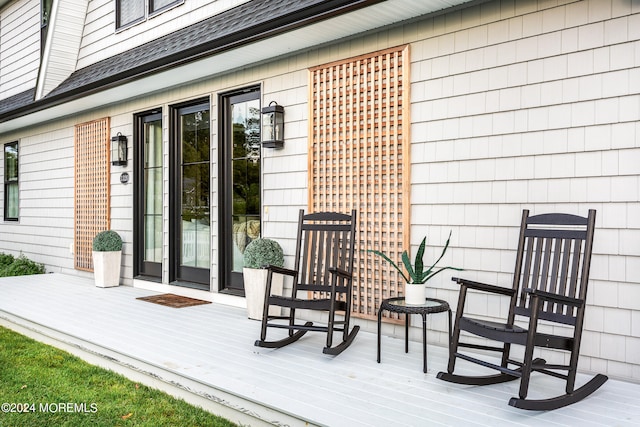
<point>129,12</point>
<point>148,207</point>
<point>45,15</point>
<point>11,181</point>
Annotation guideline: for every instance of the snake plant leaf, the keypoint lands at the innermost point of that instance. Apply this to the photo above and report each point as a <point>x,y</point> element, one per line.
<point>418,276</point>
<point>442,269</point>
<point>416,272</point>
<point>407,264</point>
<point>446,246</point>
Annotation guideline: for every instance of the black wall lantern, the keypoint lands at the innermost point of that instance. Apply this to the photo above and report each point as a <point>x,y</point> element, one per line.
<point>119,150</point>
<point>273,126</point>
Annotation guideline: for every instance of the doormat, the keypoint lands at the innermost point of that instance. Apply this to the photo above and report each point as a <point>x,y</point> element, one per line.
<point>172,300</point>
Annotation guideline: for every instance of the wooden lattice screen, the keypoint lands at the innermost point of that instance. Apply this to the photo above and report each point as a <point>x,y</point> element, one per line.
<point>359,159</point>
<point>91,196</point>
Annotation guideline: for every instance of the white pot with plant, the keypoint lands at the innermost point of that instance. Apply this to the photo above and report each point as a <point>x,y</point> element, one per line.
<point>416,276</point>
<point>258,255</point>
<point>107,255</point>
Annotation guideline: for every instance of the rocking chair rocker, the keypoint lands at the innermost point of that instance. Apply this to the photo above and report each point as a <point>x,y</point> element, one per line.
<point>550,285</point>
<point>323,272</point>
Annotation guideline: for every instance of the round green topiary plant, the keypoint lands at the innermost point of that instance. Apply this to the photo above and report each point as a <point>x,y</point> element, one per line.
<point>261,252</point>
<point>107,241</point>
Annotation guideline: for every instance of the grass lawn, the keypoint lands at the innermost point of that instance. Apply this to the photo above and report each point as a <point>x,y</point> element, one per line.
<point>53,388</point>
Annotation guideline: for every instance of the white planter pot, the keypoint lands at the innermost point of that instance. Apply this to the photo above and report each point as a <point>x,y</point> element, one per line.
<point>255,286</point>
<point>106,268</point>
<point>414,294</point>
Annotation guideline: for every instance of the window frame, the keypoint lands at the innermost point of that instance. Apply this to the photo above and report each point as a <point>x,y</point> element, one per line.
<point>144,269</point>
<point>148,12</point>
<point>8,182</point>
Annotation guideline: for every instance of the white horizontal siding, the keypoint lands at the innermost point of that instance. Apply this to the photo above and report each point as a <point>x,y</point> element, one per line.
<point>19,46</point>
<point>101,40</point>
<point>44,232</point>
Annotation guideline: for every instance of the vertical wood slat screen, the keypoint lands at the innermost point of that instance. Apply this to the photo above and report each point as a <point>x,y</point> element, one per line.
<point>91,183</point>
<point>359,159</point>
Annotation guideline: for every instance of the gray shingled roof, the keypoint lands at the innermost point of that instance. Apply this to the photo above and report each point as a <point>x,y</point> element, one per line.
<point>16,101</point>
<point>243,24</point>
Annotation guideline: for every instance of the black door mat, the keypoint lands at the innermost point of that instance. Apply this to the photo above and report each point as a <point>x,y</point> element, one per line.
<point>172,300</point>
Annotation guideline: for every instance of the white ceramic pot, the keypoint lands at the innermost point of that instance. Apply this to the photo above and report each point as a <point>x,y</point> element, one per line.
<point>414,294</point>
<point>255,286</point>
<point>106,268</point>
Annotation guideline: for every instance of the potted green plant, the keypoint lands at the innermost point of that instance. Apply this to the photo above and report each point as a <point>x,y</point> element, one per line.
<point>415,275</point>
<point>259,254</point>
<point>107,255</point>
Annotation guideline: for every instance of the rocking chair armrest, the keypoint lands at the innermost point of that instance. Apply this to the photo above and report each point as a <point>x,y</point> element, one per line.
<point>484,287</point>
<point>281,270</point>
<point>340,272</point>
<point>560,299</point>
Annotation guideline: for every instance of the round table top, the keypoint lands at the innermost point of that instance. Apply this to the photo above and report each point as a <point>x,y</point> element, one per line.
<point>431,305</point>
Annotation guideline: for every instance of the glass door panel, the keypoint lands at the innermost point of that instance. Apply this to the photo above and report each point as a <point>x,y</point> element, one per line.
<point>241,186</point>
<point>148,188</point>
<point>153,192</point>
<point>245,165</point>
<point>192,253</point>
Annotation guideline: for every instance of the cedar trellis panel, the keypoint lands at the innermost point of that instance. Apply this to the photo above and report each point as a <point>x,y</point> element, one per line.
<point>359,159</point>
<point>91,182</point>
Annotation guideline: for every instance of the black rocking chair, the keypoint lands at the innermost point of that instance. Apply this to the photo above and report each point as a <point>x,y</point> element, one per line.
<point>323,272</point>
<point>549,286</point>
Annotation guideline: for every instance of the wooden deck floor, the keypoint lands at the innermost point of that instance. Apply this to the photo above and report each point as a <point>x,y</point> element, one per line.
<point>206,354</point>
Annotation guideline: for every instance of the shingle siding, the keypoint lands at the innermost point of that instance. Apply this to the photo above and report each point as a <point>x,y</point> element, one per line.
<point>536,122</point>
<point>19,47</point>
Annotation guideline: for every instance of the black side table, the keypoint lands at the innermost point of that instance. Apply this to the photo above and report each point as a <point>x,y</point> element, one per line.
<point>397,305</point>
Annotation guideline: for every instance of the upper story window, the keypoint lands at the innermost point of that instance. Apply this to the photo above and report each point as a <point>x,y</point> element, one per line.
<point>11,181</point>
<point>131,11</point>
<point>45,15</point>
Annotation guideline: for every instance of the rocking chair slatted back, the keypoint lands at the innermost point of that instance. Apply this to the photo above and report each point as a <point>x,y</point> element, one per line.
<point>554,254</point>
<point>324,242</point>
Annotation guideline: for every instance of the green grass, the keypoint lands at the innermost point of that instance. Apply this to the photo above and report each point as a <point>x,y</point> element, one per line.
<point>60,389</point>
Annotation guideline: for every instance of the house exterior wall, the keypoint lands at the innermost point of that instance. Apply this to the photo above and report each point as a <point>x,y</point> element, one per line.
<point>101,40</point>
<point>514,105</point>
<point>538,108</point>
<point>19,46</point>
<point>45,229</point>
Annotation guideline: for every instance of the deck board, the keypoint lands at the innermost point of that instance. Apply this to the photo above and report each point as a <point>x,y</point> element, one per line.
<point>213,345</point>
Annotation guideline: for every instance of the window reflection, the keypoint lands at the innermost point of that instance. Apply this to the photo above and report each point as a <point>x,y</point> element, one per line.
<point>196,227</point>
<point>245,165</point>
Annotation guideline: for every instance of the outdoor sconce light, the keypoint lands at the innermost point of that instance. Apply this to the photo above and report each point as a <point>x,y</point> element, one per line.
<point>273,126</point>
<point>119,150</point>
